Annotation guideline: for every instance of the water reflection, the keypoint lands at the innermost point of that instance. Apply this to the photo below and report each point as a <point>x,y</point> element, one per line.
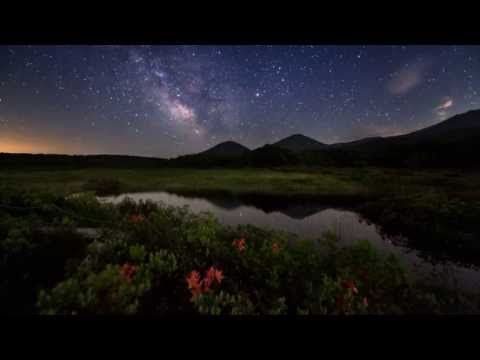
<point>309,220</point>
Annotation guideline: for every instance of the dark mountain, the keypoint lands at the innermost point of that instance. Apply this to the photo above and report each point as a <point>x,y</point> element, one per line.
<point>298,143</point>
<point>228,153</point>
<point>456,128</point>
<point>354,143</point>
<point>227,149</point>
<point>451,143</point>
<point>270,155</point>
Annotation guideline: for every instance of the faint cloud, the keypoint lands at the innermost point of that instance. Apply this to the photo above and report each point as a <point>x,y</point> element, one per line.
<point>446,103</point>
<point>407,79</point>
<point>442,109</point>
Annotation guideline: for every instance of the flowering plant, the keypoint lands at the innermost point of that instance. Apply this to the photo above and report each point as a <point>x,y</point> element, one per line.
<point>198,286</point>
<point>240,244</point>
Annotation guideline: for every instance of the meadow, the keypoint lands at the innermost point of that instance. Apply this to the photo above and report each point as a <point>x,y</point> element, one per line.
<point>153,259</point>
<point>320,182</point>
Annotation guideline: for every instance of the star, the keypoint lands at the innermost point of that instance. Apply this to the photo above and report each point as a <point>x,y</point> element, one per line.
<point>199,92</point>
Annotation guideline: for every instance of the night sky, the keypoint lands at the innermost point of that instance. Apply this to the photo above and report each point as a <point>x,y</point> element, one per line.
<point>170,100</point>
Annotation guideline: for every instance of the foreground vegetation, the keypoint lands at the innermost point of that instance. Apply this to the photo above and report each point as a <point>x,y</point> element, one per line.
<point>437,210</point>
<point>152,259</point>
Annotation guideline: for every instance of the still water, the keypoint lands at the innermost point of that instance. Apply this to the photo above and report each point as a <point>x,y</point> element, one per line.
<point>310,221</point>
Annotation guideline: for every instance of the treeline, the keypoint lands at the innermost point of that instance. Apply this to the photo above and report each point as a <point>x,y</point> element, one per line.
<point>379,153</point>
<point>12,161</point>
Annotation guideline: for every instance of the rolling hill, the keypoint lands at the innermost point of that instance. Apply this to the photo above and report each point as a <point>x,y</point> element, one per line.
<point>226,149</point>
<point>299,143</point>
<point>228,153</point>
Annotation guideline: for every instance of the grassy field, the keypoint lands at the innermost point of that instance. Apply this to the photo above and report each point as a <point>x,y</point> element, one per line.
<point>234,181</point>
<point>327,182</point>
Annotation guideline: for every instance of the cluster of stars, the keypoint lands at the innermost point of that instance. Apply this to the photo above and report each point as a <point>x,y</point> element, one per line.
<point>171,100</point>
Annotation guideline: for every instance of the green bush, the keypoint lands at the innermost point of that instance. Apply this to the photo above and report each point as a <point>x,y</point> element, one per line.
<point>267,274</point>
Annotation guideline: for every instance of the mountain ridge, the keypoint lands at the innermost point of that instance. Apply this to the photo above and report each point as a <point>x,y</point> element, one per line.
<point>452,142</point>
<point>226,148</point>
<point>299,143</point>
<point>469,119</point>
<point>447,143</point>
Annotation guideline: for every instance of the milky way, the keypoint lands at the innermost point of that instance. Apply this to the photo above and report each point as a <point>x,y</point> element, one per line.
<point>171,100</point>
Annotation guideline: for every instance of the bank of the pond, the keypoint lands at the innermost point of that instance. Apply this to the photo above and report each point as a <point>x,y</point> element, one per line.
<point>152,259</point>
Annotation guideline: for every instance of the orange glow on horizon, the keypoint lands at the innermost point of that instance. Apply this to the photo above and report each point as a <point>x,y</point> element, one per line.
<point>24,144</point>
<point>16,146</point>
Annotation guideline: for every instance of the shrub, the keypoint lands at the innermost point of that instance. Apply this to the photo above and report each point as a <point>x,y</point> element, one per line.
<point>153,259</point>
<point>174,261</point>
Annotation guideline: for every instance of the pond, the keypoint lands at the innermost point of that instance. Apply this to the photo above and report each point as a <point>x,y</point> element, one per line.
<point>309,220</point>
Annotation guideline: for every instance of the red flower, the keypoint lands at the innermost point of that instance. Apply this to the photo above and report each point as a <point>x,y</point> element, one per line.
<point>275,248</point>
<point>127,271</point>
<point>193,280</point>
<point>350,285</point>
<point>240,244</point>
<point>214,274</point>
<point>137,218</point>
<point>199,286</point>
<point>219,276</point>
<point>207,282</point>
<point>194,284</point>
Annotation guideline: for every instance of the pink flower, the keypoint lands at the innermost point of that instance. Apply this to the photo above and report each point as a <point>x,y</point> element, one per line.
<point>365,302</point>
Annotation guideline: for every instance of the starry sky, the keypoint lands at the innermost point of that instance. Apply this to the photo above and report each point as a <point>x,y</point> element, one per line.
<point>166,101</point>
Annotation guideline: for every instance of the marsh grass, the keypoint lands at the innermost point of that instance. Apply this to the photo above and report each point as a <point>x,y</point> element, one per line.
<point>232,180</point>
<point>316,181</point>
